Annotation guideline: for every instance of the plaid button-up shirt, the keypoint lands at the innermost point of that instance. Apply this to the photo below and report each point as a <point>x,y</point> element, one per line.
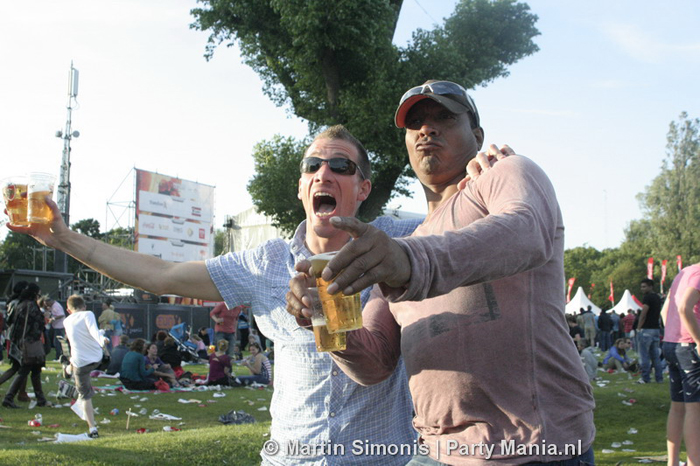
<point>319,415</point>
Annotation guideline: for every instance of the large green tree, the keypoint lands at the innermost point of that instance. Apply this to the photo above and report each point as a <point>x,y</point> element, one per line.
<point>671,203</point>
<point>335,63</point>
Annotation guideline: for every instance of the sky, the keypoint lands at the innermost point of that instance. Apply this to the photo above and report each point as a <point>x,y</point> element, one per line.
<point>592,107</point>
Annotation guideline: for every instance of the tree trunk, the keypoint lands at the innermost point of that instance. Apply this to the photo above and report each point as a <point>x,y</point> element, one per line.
<point>330,76</point>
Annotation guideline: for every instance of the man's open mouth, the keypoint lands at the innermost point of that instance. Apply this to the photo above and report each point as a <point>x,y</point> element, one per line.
<point>324,204</point>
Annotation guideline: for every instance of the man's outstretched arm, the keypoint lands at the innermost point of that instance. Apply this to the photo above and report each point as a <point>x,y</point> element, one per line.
<point>149,273</point>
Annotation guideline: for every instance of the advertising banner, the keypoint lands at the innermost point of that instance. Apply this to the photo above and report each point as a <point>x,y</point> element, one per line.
<point>174,217</point>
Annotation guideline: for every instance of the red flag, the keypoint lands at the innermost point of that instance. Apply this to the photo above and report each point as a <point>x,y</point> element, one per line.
<point>650,268</point>
<point>663,270</point>
<point>571,285</point>
<point>679,262</point>
<point>612,293</point>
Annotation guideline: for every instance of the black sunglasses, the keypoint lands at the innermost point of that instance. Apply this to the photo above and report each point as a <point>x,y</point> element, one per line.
<point>339,165</point>
<point>439,88</point>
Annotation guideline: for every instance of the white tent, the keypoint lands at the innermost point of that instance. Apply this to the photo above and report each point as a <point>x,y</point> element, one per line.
<point>580,300</point>
<point>626,302</point>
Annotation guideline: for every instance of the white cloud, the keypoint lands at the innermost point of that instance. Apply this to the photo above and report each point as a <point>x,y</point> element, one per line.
<point>546,112</point>
<point>642,46</point>
<point>611,84</point>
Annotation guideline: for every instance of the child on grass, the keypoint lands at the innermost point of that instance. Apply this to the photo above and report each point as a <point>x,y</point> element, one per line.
<point>86,355</point>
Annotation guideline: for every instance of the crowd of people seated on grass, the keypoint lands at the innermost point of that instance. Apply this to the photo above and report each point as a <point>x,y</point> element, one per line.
<point>142,365</point>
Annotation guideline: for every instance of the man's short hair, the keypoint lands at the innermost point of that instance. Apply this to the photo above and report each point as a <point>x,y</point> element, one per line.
<point>342,133</point>
<point>124,339</point>
<point>76,302</point>
<point>647,281</point>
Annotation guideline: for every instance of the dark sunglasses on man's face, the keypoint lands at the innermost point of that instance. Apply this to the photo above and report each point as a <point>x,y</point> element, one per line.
<point>339,165</point>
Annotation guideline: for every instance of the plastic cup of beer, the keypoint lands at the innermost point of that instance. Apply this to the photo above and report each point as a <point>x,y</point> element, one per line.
<point>39,186</point>
<point>14,192</point>
<point>325,341</point>
<point>342,313</point>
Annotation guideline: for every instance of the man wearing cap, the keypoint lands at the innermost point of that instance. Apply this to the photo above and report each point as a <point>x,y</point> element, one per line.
<point>315,406</point>
<point>476,301</point>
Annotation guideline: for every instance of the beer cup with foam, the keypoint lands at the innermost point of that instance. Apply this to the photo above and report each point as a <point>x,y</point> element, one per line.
<point>342,313</point>
<point>39,186</point>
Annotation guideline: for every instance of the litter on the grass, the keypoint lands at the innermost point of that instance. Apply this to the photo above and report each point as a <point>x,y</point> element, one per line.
<point>164,417</point>
<point>632,430</point>
<point>652,459</point>
<point>68,438</point>
<point>236,417</point>
<point>182,400</point>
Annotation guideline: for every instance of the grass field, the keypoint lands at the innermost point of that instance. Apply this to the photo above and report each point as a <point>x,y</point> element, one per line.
<point>202,440</point>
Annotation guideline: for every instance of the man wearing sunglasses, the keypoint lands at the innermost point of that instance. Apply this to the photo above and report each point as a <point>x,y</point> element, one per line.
<point>476,301</point>
<point>314,403</point>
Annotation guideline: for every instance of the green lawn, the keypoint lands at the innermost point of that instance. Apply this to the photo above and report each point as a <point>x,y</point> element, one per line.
<point>203,440</point>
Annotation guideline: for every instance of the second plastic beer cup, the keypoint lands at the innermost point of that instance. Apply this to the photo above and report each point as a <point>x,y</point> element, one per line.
<point>39,186</point>
<point>343,313</point>
<point>14,191</point>
<point>324,341</point>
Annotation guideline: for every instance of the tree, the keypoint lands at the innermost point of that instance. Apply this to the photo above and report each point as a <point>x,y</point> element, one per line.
<point>335,63</point>
<point>219,242</point>
<point>88,227</point>
<point>20,251</point>
<point>671,203</point>
<point>274,161</point>
<point>579,263</point>
<point>121,237</point>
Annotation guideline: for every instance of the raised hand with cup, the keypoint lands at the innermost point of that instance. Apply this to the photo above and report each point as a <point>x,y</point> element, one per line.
<point>24,198</point>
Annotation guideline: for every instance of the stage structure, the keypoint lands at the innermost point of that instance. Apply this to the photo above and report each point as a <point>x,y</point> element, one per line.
<point>174,218</point>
